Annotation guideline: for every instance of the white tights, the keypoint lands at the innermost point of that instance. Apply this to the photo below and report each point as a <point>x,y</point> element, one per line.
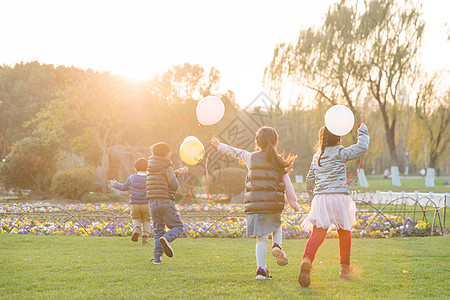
<point>261,246</point>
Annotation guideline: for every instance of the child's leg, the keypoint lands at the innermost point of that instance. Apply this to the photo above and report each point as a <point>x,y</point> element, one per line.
<point>277,251</point>
<point>173,222</point>
<point>277,236</point>
<point>136,221</point>
<point>314,242</point>
<point>146,221</point>
<point>345,245</point>
<point>261,249</point>
<point>160,230</point>
<point>136,217</point>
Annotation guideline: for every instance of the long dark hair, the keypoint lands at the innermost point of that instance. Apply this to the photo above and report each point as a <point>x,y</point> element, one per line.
<point>266,139</point>
<point>326,139</point>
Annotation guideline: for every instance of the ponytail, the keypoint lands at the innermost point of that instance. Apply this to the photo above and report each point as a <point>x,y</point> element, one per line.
<point>322,150</point>
<point>267,138</point>
<point>326,139</point>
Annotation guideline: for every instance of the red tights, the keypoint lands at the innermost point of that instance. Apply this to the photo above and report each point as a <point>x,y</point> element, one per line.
<point>317,237</point>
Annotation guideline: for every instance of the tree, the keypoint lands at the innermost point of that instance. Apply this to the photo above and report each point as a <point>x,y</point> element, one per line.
<point>89,115</point>
<point>325,59</point>
<point>432,109</point>
<point>392,33</point>
<point>171,101</point>
<point>374,51</point>
<point>24,90</point>
<point>30,164</point>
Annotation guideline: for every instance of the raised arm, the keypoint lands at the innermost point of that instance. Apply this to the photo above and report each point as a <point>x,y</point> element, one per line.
<point>233,152</point>
<point>358,149</point>
<point>123,186</point>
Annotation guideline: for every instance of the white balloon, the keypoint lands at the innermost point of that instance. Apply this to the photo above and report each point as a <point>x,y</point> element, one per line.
<point>339,120</point>
<point>210,110</point>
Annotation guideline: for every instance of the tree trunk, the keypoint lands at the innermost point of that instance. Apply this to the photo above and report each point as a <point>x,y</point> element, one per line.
<point>433,160</point>
<point>36,183</point>
<point>104,171</point>
<point>390,139</point>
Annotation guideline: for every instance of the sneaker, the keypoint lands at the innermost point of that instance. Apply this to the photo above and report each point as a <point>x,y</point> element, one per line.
<point>262,274</point>
<point>279,254</point>
<point>166,245</point>
<point>304,278</point>
<point>135,235</point>
<point>144,240</point>
<point>346,270</point>
<point>157,261</point>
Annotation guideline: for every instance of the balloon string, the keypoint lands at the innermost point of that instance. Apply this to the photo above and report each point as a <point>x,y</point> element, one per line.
<point>359,167</point>
<point>199,124</point>
<point>206,163</point>
<point>207,174</point>
<point>192,190</point>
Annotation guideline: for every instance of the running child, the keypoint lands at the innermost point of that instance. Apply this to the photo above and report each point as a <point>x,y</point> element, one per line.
<point>162,184</point>
<point>140,212</point>
<point>266,183</point>
<point>331,204</point>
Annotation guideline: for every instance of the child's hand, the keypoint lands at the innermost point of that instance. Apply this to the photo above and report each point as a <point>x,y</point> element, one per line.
<point>184,169</point>
<point>111,182</point>
<point>215,142</point>
<point>363,126</point>
<point>297,207</point>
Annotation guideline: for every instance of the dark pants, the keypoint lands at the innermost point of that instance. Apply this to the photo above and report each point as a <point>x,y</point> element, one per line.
<point>164,213</point>
<point>317,237</point>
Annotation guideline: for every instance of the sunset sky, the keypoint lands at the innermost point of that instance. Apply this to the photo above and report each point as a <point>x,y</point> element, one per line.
<point>139,39</point>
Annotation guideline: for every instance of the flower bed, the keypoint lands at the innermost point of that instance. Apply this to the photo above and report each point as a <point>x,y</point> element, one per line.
<point>368,224</point>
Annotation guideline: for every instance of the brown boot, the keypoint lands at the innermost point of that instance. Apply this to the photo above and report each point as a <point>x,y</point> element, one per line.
<point>135,235</point>
<point>144,240</point>
<point>346,270</point>
<point>305,269</point>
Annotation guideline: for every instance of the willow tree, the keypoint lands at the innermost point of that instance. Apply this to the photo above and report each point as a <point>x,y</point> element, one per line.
<point>432,110</point>
<point>372,51</point>
<point>325,59</point>
<point>392,33</point>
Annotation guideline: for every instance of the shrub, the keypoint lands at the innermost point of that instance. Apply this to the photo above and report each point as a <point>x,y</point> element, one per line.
<point>29,165</point>
<point>73,183</point>
<point>229,181</point>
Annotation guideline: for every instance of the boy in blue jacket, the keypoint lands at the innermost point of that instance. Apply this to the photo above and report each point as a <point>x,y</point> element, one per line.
<point>140,212</point>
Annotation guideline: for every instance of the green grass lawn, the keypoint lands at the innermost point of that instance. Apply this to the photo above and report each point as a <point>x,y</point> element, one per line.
<point>92,267</point>
<point>408,184</point>
<point>377,183</point>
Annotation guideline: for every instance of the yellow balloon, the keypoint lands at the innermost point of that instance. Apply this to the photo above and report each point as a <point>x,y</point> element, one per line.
<point>192,150</point>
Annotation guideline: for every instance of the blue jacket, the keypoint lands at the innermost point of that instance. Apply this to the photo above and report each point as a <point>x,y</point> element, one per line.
<point>136,184</point>
<point>330,178</point>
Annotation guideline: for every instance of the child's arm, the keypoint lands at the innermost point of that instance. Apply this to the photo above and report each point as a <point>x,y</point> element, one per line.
<point>311,180</point>
<point>175,181</point>
<point>290,193</point>
<point>358,149</point>
<point>233,152</point>
<point>123,186</point>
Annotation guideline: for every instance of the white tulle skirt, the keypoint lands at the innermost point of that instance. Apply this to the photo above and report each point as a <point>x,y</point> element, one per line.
<point>331,211</point>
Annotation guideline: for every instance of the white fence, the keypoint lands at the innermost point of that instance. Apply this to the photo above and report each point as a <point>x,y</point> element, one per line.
<point>409,198</point>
